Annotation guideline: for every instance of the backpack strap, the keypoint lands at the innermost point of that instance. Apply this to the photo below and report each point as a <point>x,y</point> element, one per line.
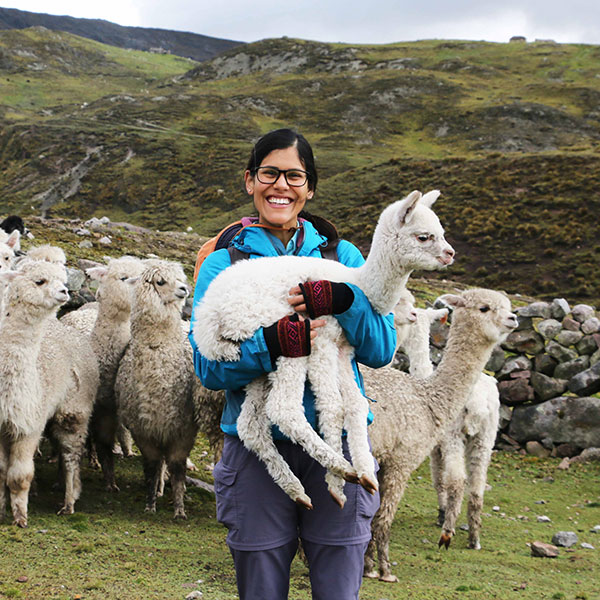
<point>330,251</point>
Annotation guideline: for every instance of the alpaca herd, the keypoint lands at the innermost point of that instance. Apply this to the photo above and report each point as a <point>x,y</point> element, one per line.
<point>123,365</point>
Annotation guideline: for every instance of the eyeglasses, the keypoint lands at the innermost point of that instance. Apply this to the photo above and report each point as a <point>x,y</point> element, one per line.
<point>294,177</point>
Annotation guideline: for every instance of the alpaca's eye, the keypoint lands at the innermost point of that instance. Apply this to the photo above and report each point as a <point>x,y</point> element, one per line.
<point>161,282</point>
<point>484,309</point>
<point>40,282</point>
<point>124,278</point>
<point>423,237</point>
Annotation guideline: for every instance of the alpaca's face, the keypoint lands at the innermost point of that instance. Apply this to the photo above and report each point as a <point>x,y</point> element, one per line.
<point>6,257</point>
<point>115,286</point>
<point>164,282</point>
<point>414,235</point>
<point>490,312</point>
<point>40,285</point>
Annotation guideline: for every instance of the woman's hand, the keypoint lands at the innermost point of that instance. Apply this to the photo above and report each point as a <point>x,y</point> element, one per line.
<point>323,297</point>
<point>296,299</point>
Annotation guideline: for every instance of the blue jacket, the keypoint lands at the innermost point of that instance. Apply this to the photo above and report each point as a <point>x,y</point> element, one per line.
<point>372,335</point>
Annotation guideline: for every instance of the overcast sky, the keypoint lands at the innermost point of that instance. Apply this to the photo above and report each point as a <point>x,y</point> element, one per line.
<point>352,21</point>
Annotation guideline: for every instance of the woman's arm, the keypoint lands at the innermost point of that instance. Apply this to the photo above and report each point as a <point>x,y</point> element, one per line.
<point>254,356</point>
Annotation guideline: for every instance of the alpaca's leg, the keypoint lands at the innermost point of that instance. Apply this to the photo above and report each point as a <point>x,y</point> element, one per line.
<point>104,427</point>
<point>4,454</point>
<point>479,453</point>
<point>125,440</point>
<point>161,479</point>
<point>323,366</point>
<point>254,429</point>
<point>436,463</point>
<point>356,410</point>
<point>176,465</point>
<point>392,490</point>
<point>284,407</point>
<point>454,478</point>
<point>153,471</point>
<point>370,566</point>
<point>19,476</point>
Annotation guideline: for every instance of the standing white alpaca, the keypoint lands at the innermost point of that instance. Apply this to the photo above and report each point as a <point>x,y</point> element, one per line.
<point>159,399</point>
<point>253,293</point>
<point>48,378</point>
<point>108,328</point>
<point>412,415</point>
<point>464,452</point>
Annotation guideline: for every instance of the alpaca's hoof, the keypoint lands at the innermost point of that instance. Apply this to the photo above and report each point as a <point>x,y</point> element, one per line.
<point>388,578</point>
<point>67,509</point>
<point>445,540</point>
<point>190,466</point>
<point>371,574</point>
<point>94,464</point>
<point>20,521</point>
<point>369,484</point>
<point>441,517</point>
<point>351,476</point>
<point>150,508</point>
<point>112,487</point>
<point>474,545</point>
<point>180,514</point>
<point>340,500</point>
<point>304,502</point>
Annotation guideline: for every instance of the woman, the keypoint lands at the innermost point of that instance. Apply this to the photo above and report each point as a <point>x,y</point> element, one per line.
<point>264,523</point>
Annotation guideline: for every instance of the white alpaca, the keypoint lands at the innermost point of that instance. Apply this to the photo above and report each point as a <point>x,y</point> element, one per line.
<point>107,323</point>
<point>7,257</point>
<point>412,415</point>
<point>253,293</point>
<point>159,399</point>
<point>468,442</point>
<point>48,378</point>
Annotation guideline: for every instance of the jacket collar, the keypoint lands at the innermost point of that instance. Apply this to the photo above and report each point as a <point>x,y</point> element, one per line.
<point>253,240</point>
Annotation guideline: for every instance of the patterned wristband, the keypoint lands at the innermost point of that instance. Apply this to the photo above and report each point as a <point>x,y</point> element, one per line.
<point>318,297</point>
<point>293,336</point>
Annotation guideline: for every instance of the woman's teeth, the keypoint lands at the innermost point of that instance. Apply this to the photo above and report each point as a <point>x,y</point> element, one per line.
<point>279,200</point>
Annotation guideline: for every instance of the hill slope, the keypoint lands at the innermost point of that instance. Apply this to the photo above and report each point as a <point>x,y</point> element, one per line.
<point>509,132</point>
<point>180,43</point>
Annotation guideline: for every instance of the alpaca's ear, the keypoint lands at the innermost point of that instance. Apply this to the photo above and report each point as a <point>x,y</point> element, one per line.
<point>437,314</point>
<point>132,280</point>
<point>407,206</point>
<point>8,276</point>
<point>452,300</point>
<point>97,273</point>
<point>430,197</point>
<point>14,240</point>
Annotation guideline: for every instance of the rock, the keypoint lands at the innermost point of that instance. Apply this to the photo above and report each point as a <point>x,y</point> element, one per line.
<point>570,324</point>
<point>564,465</point>
<point>583,312</point>
<point>587,546</point>
<point>588,455</point>
<point>519,363</point>
<point>524,323</point>
<point>543,550</point>
<point>564,420</point>
<point>588,345</point>
<point>524,342</point>
<point>536,449</point>
<point>543,363</point>
<point>595,529</point>
<point>587,382</point>
<point>544,519</point>
<point>193,595</point>
<point>559,308</point>
<point>535,309</point>
<point>549,328</point>
<point>75,279</point>
<point>82,231</point>
<point>595,358</point>
<point>105,241</point>
<point>566,539</point>
<point>496,360</point>
<point>591,326</point>
<point>567,450</point>
<point>570,368</point>
<point>559,352</point>
<point>569,338</point>
<point>86,244</point>
<point>547,387</point>
<point>505,416</point>
<point>516,391</point>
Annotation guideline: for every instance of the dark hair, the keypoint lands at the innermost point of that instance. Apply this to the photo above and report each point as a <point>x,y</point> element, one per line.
<point>279,139</point>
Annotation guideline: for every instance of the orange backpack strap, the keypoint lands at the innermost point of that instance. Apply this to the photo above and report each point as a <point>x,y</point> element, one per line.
<point>211,246</point>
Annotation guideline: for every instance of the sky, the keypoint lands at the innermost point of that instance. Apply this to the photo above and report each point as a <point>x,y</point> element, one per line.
<point>350,21</point>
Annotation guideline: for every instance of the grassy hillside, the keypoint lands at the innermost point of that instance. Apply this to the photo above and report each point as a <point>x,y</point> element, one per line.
<point>510,133</point>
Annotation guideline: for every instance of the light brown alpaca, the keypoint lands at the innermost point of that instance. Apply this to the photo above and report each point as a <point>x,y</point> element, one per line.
<point>412,415</point>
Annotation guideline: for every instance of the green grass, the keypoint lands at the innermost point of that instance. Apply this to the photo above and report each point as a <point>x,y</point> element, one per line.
<point>110,549</point>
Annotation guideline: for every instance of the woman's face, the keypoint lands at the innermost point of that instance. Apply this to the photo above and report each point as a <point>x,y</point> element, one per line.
<point>278,204</point>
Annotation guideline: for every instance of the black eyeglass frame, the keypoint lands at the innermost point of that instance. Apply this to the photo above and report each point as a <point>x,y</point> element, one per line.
<point>256,171</point>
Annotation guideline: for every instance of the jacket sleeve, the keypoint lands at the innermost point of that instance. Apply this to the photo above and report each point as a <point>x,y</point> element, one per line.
<point>372,335</point>
<point>254,356</point>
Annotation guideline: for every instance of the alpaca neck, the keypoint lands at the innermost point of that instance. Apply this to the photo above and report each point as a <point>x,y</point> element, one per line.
<point>156,327</point>
<point>416,347</point>
<point>463,361</point>
<point>382,278</point>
